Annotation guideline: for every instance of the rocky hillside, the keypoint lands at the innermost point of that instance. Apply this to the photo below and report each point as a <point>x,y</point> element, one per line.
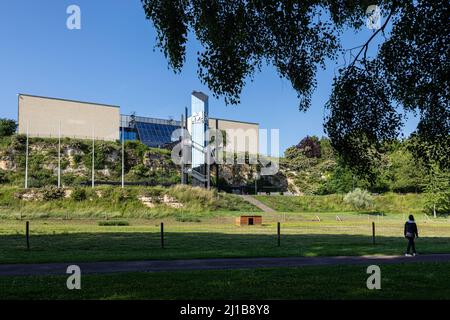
<point>142,164</point>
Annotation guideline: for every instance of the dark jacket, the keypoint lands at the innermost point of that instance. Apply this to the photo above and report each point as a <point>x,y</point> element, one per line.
<point>411,227</point>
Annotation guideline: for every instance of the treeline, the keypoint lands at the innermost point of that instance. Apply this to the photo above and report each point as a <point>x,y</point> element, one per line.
<point>314,168</point>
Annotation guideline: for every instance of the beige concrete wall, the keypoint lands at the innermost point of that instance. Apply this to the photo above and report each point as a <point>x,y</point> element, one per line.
<point>78,119</point>
<point>242,136</point>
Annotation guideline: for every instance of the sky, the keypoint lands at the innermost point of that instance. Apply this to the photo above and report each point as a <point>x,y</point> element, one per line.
<point>113,60</point>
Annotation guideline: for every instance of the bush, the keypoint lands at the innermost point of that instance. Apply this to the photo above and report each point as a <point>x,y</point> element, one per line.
<point>3,177</point>
<point>154,192</point>
<point>7,127</point>
<point>187,219</point>
<point>359,199</point>
<point>52,193</point>
<point>78,194</point>
<point>108,223</point>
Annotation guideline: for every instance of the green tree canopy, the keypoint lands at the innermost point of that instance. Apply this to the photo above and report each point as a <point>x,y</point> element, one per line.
<point>7,127</point>
<point>410,69</point>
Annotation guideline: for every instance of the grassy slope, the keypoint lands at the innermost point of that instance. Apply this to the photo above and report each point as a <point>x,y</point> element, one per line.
<point>197,202</point>
<point>84,240</point>
<point>412,281</point>
<point>386,203</point>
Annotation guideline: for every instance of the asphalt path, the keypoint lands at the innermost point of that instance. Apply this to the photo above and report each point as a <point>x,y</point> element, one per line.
<point>209,264</point>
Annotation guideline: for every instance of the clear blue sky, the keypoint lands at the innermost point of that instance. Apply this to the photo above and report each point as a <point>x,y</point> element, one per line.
<point>112,60</point>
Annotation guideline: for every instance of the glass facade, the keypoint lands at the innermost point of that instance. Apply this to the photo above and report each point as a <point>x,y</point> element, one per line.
<point>128,134</point>
<point>152,132</point>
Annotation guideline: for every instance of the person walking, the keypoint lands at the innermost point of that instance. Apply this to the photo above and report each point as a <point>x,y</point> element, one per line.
<point>411,233</point>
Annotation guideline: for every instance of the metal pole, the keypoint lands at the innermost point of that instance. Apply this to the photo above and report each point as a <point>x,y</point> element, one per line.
<point>186,175</point>
<point>182,150</point>
<point>373,232</point>
<point>217,155</point>
<point>93,158</point>
<point>59,156</point>
<point>26,157</point>
<point>27,234</point>
<point>162,235</point>
<point>123,158</point>
<point>279,233</point>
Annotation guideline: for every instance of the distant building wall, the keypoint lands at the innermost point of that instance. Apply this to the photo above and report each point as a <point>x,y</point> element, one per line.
<point>78,119</point>
<point>241,136</point>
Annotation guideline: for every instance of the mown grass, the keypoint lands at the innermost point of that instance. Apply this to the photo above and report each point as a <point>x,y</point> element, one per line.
<point>84,240</point>
<point>389,203</point>
<point>398,281</point>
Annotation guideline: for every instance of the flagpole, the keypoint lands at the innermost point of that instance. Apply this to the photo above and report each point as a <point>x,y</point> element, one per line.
<point>26,157</point>
<point>59,155</point>
<point>123,158</point>
<point>93,158</point>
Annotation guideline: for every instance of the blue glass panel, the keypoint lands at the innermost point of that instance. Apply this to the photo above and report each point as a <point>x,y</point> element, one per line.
<point>154,134</point>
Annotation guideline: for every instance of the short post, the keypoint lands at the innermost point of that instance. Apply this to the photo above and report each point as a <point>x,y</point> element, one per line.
<point>162,235</point>
<point>373,232</point>
<point>279,233</point>
<point>27,234</point>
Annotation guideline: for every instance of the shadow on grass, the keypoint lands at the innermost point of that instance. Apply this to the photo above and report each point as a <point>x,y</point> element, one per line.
<point>181,245</point>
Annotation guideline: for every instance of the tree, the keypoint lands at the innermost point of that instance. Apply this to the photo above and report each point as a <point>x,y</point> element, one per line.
<point>7,127</point>
<point>437,192</point>
<point>310,146</point>
<point>410,70</point>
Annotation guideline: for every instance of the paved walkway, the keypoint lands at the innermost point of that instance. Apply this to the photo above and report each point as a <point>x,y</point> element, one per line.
<point>257,203</point>
<point>209,264</point>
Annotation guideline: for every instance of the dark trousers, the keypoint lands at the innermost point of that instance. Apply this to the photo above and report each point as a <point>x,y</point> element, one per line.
<point>411,245</point>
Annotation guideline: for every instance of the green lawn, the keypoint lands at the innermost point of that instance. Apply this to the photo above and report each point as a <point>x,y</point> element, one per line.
<point>399,281</point>
<point>85,240</point>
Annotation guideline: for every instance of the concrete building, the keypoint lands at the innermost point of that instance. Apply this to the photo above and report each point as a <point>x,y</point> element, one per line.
<point>43,117</point>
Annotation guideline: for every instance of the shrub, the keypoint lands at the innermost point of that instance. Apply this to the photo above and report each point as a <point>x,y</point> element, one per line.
<point>78,194</point>
<point>108,223</point>
<point>359,199</point>
<point>187,219</point>
<point>3,177</point>
<point>7,127</point>
<point>52,193</point>
<point>154,192</point>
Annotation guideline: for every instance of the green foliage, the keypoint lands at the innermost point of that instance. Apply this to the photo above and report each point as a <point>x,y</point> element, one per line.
<point>110,223</point>
<point>117,203</point>
<point>409,70</point>
<point>78,194</point>
<point>310,147</point>
<point>187,219</point>
<point>142,164</point>
<point>406,174</point>
<point>52,193</point>
<point>3,177</point>
<point>359,199</point>
<point>437,192</point>
<point>397,170</point>
<point>7,127</point>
